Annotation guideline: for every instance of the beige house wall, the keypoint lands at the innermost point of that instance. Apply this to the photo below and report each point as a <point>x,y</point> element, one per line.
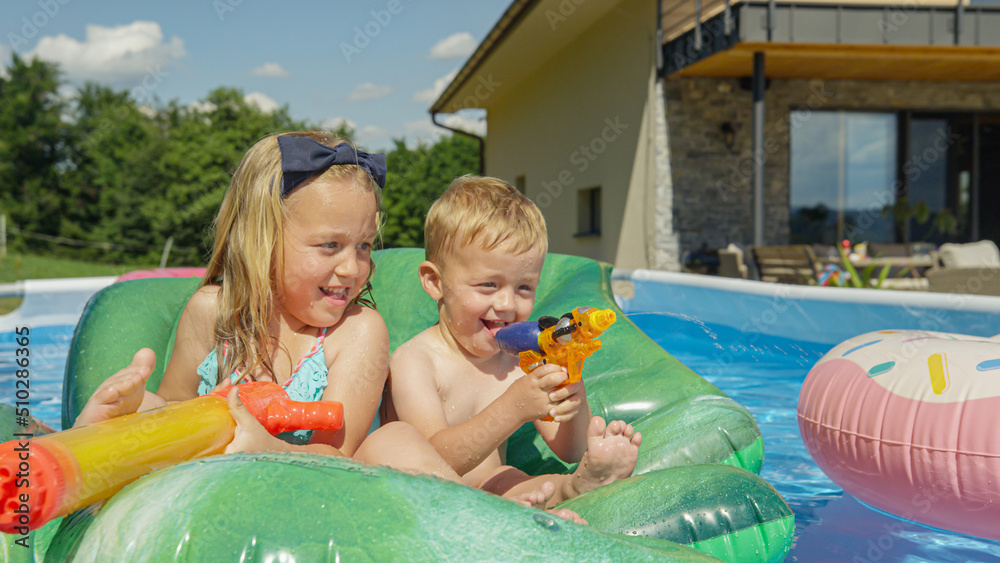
<point>586,121</point>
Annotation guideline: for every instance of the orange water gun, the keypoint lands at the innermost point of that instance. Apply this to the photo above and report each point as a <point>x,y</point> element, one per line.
<point>50,476</point>
<point>566,341</point>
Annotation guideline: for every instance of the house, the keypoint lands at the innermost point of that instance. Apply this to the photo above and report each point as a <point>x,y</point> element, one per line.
<point>646,130</point>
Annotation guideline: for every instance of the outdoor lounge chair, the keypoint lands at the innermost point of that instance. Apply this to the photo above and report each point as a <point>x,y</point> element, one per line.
<point>731,263</point>
<point>793,264</point>
<point>972,268</point>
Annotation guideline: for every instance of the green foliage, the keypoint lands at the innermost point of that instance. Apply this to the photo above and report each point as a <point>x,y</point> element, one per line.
<point>416,178</point>
<point>18,266</point>
<point>33,145</point>
<point>865,279</point>
<point>114,180</point>
<point>943,224</point>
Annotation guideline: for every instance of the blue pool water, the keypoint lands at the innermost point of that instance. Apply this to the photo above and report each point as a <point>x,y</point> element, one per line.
<point>757,348</point>
<point>766,377</point>
<point>47,347</point>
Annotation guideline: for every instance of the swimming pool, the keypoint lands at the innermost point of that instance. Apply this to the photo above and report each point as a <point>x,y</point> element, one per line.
<point>756,342</point>
<point>49,311</point>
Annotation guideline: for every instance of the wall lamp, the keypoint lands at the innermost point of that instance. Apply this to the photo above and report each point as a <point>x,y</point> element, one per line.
<point>728,134</point>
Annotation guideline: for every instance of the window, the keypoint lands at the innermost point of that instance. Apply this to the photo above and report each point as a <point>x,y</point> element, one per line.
<point>843,171</point>
<point>588,212</point>
<point>909,176</point>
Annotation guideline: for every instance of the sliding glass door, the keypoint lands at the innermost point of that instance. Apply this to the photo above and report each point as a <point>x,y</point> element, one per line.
<point>843,170</point>
<point>894,177</point>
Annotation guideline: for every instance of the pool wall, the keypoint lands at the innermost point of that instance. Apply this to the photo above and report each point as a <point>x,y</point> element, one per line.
<point>827,315</point>
<point>49,302</point>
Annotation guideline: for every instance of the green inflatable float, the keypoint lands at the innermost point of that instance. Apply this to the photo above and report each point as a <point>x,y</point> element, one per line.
<point>695,495</point>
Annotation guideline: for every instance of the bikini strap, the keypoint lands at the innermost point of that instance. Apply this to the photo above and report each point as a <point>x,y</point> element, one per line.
<point>316,347</point>
<point>225,353</point>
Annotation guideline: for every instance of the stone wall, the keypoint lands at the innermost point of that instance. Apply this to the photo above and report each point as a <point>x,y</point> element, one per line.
<point>713,184</point>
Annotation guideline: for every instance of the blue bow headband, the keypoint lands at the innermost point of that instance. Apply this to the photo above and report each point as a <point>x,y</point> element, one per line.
<point>302,157</point>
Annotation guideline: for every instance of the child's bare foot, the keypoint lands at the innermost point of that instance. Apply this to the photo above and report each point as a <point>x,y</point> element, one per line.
<point>612,450</point>
<point>566,514</point>
<point>541,496</point>
<point>538,497</point>
<point>121,393</point>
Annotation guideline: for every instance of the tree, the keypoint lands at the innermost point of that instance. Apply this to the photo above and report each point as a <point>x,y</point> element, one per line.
<point>116,146</point>
<point>32,147</point>
<point>202,150</point>
<point>416,178</point>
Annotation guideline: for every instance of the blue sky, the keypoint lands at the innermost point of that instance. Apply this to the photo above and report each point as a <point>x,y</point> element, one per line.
<point>377,64</point>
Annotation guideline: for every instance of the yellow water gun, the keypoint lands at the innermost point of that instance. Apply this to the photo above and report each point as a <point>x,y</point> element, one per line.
<point>50,476</point>
<point>566,341</point>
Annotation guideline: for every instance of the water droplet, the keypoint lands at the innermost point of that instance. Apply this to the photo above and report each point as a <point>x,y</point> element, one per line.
<point>547,522</point>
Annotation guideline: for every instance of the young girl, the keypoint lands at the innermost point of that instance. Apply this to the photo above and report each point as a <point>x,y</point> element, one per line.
<point>283,301</point>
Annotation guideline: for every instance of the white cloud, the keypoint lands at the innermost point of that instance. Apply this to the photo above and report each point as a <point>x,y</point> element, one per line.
<point>369,91</point>
<point>422,130</point>
<point>4,56</point>
<point>460,44</point>
<point>263,102</point>
<point>371,135</point>
<point>270,70</point>
<point>122,54</point>
<point>202,107</point>
<point>335,122</point>
<point>476,125</point>
<point>431,94</point>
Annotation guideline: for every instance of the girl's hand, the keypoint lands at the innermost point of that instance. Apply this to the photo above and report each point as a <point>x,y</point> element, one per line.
<point>533,392</point>
<point>224,386</point>
<point>250,434</point>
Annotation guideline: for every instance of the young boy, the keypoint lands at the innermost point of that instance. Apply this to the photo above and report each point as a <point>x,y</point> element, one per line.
<point>485,245</point>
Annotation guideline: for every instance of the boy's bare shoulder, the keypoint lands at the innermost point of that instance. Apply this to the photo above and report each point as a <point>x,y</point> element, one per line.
<point>416,348</point>
<point>423,353</point>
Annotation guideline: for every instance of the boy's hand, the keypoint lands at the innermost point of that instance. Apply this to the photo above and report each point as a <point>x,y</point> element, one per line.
<point>535,391</point>
<point>569,398</point>
<point>122,393</point>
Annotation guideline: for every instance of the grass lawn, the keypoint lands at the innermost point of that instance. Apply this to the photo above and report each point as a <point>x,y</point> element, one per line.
<point>15,267</point>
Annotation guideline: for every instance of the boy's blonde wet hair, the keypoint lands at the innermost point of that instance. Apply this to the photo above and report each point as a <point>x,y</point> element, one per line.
<point>482,211</point>
<point>247,255</point>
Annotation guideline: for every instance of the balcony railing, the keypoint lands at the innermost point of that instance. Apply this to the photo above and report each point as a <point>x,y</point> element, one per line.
<point>695,29</point>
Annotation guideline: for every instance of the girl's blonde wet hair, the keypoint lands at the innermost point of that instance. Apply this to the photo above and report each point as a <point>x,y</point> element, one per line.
<point>483,211</point>
<point>247,255</point>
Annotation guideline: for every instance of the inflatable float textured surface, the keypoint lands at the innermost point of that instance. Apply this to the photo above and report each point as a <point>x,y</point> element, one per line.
<point>695,483</point>
<point>907,421</point>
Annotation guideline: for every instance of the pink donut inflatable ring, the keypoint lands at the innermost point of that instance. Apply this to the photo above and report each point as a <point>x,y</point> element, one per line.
<point>909,422</point>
